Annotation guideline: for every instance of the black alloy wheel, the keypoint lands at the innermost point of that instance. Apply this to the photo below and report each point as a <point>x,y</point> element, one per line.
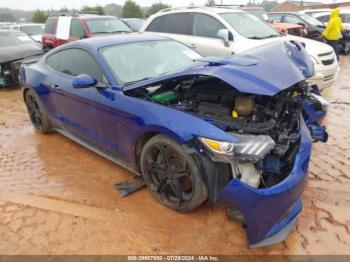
<point>36,112</point>
<point>171,175</point>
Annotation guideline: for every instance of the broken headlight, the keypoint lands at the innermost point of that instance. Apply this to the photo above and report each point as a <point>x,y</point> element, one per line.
<point>249,148</point>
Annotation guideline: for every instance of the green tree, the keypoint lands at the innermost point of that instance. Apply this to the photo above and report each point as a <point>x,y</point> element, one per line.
<point>64,10</point>
<point>268,5</point>
<point>93,9</point>
<point>39,16</point>
<point>131,10</point>
<point>155,7</point>
<point>114,9</point>
<point>6,17</point>
<point>210,3</point>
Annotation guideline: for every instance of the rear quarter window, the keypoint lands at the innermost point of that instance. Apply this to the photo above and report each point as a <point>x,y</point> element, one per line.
<point>172,24</point>
<point>50,26</point>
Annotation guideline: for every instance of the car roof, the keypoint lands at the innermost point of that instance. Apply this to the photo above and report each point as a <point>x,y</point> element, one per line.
<point>83,16</point>
<point>202,9</point>
<point>103,41</point>
<point>294,13</point>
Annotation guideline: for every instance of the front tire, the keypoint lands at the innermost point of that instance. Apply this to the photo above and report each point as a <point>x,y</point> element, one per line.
<point>37,113</point>
<point>172,175</point>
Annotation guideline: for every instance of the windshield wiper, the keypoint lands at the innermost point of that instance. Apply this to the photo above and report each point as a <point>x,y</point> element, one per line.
<point>119,31</point>
<point>263,37</point>
<point>133,82</point>
<point>112,32</point>
<point>101,33</point>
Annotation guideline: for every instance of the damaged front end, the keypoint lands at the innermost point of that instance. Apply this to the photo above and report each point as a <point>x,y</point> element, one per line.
<point>262,170</point>
<point>9,72</point>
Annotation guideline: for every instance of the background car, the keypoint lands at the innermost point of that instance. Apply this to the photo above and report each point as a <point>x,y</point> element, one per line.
<point>235,127</point>
<point>64,29</point>
<point>287,28</point>
<point>313,27</point>
<point>344,15</point>
<point>134,24</point>
<point>15,47</point>
<point>223,31</point>
<point>35,31</point>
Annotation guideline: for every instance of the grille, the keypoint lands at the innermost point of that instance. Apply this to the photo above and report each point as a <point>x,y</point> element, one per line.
<point>328,61</point>
<point>328,78</point>
<point>326,54</point>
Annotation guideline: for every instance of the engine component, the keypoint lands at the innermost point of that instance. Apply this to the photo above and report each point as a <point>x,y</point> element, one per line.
<point>165,97</point>
<point>247,173</point>
<point>244,105</point>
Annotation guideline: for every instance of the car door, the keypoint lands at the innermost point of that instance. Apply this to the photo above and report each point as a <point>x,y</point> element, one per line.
<point>204,36</point>
<point>82,112</point>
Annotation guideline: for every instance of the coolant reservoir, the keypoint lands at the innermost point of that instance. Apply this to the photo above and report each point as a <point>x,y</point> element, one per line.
<point>248,172</point>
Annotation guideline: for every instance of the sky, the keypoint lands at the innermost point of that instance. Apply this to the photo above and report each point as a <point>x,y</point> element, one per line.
<point>57,4</point>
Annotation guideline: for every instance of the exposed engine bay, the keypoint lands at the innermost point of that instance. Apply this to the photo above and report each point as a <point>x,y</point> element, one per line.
<point>269,125</point>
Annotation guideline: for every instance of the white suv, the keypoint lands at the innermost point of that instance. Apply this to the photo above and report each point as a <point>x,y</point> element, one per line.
<point>222,31</point>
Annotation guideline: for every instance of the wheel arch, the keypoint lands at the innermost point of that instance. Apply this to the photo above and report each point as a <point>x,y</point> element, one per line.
<point>151,132</point>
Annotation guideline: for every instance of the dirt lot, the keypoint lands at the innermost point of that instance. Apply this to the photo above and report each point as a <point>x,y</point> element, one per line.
<point>57,197</point>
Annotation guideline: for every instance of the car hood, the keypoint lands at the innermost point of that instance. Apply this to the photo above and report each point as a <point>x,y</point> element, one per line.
<point>264,71</point>
<point>312,47</point>
<point>11,53</point>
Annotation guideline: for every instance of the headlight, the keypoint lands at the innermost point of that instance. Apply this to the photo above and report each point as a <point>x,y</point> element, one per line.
<point>313,59</point>
<point>248,147</point>
<point>219,147</point>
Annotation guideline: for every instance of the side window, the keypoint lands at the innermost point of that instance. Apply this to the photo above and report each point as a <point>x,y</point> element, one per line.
<point>76,29</point>
<point>206,26</point>
<point>75,62</point>
<point>324,18</point>
<point>155,25</point>
<point>345,18</point>
<point>275,18</point>
<point>50,26</point>
<point>292,19</point>
<point>172,24</point>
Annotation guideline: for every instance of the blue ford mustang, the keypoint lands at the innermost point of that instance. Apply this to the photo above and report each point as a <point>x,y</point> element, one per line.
<point>197,129</point>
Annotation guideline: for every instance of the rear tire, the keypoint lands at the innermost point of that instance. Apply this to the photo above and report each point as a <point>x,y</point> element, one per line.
<point>172,175</point>
<point>37,113</point>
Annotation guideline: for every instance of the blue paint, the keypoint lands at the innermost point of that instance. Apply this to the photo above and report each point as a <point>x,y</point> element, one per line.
<point>113,122</point>
<point>265,209</point>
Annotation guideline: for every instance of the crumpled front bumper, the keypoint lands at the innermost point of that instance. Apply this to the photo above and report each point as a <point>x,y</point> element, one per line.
<point>270,213</point>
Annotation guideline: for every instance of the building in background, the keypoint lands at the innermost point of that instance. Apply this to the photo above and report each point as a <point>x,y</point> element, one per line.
<point>294,6</point>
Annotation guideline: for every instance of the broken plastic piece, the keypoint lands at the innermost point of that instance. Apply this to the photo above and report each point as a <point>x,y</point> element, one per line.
<point>127,187</point>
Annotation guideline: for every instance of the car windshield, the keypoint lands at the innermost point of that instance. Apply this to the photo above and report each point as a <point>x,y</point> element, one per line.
<point>135,24</point>
<point>249,26</point>
<point>311,20</point>
<point>259,13</point>
<point>133,62</point>
<point>13,39</point>
<point>106,25</point>
<point>32,29</point>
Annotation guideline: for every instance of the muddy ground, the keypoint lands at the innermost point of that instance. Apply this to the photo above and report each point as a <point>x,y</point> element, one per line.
<point>57,197</point>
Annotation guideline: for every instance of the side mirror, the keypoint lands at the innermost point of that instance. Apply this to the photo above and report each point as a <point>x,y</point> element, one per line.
<point>84,81</point>
<point>224,34</point>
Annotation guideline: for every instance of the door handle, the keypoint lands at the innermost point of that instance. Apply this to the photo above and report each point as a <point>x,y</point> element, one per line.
<point>193,45</point>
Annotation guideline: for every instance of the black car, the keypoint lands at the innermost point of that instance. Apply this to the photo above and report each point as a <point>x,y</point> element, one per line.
<point>313,27</point>
<point>15,47</point>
